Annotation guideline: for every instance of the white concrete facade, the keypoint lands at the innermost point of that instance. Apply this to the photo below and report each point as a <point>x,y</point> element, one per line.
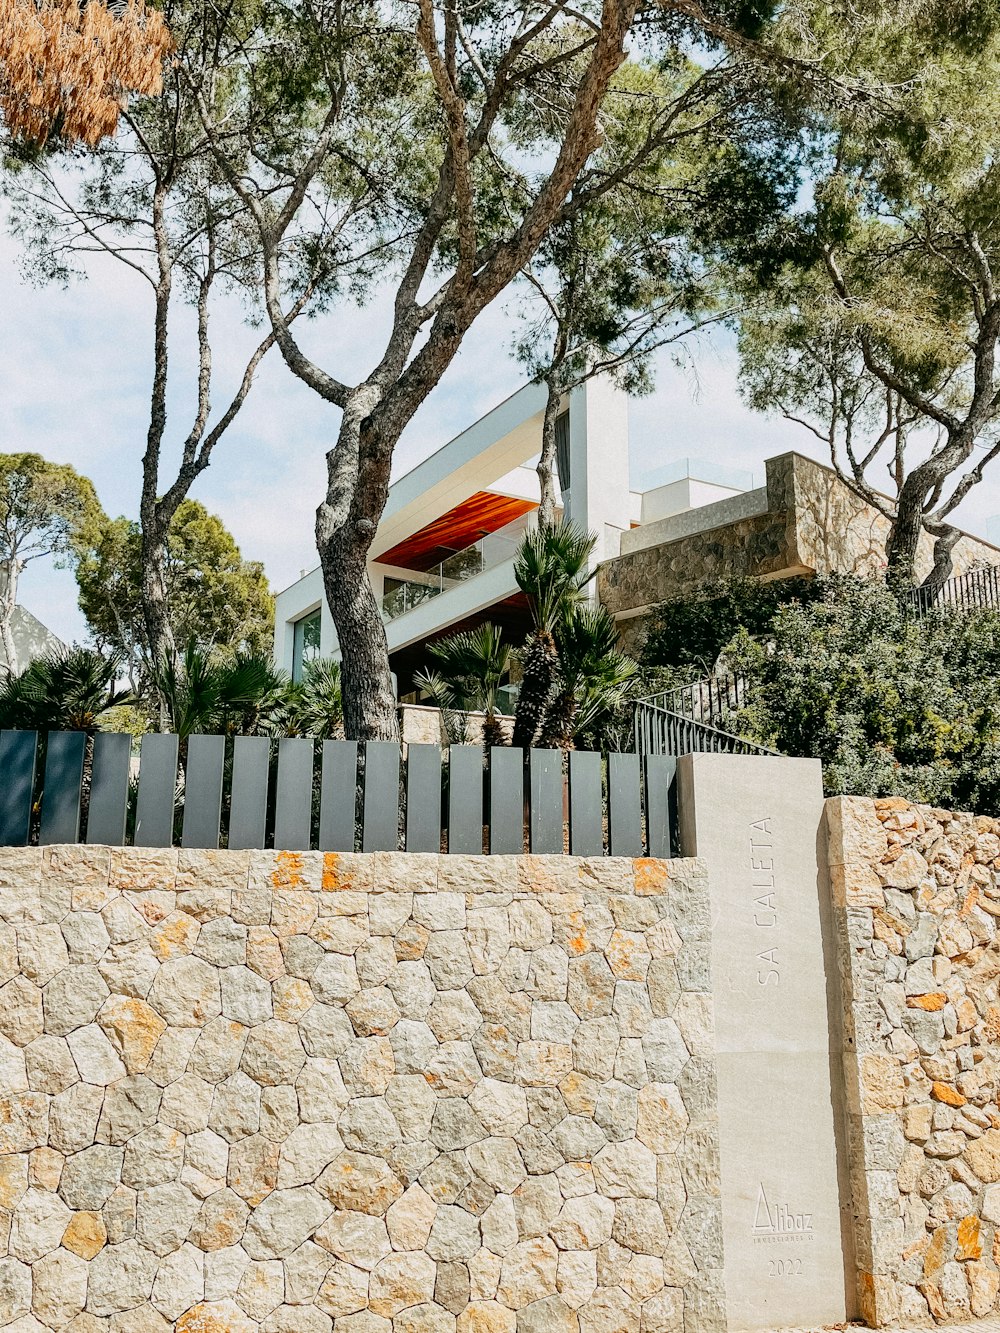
<point>497,455</point>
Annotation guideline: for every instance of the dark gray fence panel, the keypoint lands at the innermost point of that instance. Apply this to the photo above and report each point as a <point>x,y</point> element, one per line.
<point>586,804</point>
<point>546,797</point>
<point>206,759</point>
<point>423,798</point>
<point>109,789</point>
<point>506,801</point>
<point>338,800</point>
<point>63,782</point>
<point>248,803</point>
<point>18,750</point>
<point>661,773</point>
<point>293,798</point>
<point>154,812</point>
<point>465,800</point>
<point>624,805</point>
<point>380,820</point>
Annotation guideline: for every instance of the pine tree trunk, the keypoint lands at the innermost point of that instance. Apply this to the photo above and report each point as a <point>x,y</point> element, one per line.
<point>346,523</point>
<point>8,601</point>
<point>941,570</point>
<point>156,619</point>
<point>540,663</point>
<point>546,461</point>
<point>904,539</point>
<point>366,682</point>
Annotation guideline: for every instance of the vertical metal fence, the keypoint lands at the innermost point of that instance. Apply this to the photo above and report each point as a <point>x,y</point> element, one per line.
<point>297,795</point>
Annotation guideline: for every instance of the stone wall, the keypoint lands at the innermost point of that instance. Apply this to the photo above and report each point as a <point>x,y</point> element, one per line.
<point>813,524</point>
<point>299,1093</point>
<point>917,897</point>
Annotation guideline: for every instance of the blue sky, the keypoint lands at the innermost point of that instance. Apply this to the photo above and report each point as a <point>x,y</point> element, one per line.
<point>75,370</point>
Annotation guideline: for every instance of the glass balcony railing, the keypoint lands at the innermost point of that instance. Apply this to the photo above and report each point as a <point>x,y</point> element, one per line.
<point>494,549</point>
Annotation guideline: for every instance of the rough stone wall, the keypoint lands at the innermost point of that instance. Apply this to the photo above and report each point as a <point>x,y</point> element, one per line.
<point>366,1094</point>
<point>917,897</point>
<point>814,523</point>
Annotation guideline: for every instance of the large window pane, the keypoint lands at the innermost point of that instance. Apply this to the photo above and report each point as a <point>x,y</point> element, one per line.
<point>305,644</point>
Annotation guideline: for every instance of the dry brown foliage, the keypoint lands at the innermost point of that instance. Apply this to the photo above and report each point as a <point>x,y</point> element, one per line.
<point>68,70</point>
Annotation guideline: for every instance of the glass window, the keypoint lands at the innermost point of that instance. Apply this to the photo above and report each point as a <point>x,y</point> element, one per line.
<point>305,643</point>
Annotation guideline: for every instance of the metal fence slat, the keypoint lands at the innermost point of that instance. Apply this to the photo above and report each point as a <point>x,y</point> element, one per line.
<point>506,800</point>
<point>586,804</point>
<point>338,802</point>
<point>18,750</point>
<point>546,801</point>
<point>206,759</point>
<point>423,798</point>
<point>154,812</point>
<point>380,820</point>
<point>465,800</point>
<point>109,789</point>
<point>248,798</point>
<point>624,807</point>
<point>293,799</point>
<point>63,783</point>
<point>661,773</point>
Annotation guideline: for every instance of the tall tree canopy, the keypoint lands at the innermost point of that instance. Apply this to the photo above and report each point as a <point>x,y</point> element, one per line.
<point>636,268</point>
<point>46,509</point>
<point>153,198</point>
<point>880,333</point>
<point>66,67</point>
<point>215,598</point>
<point>431,145</point>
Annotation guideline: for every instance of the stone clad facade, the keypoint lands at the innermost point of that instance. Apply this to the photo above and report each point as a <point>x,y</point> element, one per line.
<point>355,1094</point>
<point>917,898</point>
<point>809,523</point>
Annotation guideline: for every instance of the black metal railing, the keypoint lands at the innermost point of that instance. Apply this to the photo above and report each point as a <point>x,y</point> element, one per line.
<point>712,700</point>
<point>661,732</point>
<point>339,796</point>
<point>976,590</point>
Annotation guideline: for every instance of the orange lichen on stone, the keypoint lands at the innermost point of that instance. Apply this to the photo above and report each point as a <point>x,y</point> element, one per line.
<point>133,1028</point>
<point>287,873</point>
<point>651,876</point>
<point>941,1092</point>
<point>890,803</point>
<point>85,1235</point>
<point>336,876</point>
<point>214,1317</point>
<point>577,940</point>
<point>969,902</point>
<point>936,1253</point>
<point>970,1245</point>
<point>175,937</point>
<point>932,1001</point>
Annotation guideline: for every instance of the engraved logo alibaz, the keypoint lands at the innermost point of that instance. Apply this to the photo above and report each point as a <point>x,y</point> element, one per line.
<point>778,1221</point>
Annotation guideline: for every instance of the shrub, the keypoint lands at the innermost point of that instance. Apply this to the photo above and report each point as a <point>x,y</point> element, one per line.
<point>689,633</point>
<point>891,704</point>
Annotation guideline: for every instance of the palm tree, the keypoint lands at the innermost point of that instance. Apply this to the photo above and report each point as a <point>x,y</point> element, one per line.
<point>551,569</point>
<point>237,697</point>
<point>68,690</point>
<point>593,678</point>
<point>315,704</point>
<point>472,667</point>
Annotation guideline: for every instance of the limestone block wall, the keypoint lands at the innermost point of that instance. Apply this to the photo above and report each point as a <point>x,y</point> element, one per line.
<point>299,1093</point>
<point>917,895</point>
<point>813,524</point>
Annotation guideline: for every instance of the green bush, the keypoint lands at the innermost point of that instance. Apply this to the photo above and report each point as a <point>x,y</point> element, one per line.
<point>689,633</point>
<point>891,704</point>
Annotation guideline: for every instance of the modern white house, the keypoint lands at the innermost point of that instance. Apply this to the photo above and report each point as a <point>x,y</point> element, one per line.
<point>442,559</point>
